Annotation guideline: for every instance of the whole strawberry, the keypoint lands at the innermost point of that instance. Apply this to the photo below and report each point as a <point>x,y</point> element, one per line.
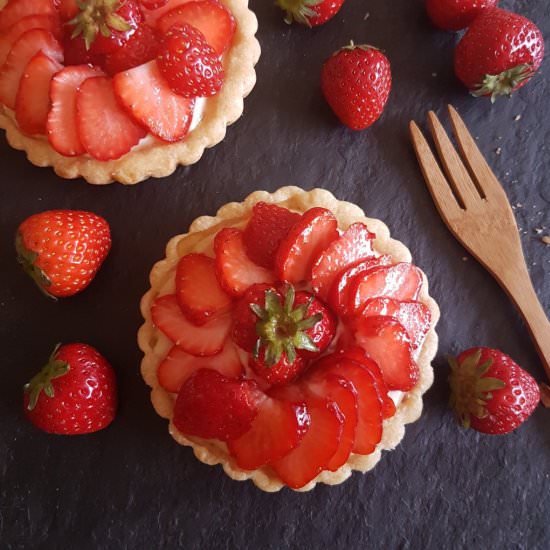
<point>75,393</point>
<point>499,53</point>
<point>356,82</point>
<point>62,250</point>
<point>454,15</point>
<point>490,392</point>
<point>310,12</point>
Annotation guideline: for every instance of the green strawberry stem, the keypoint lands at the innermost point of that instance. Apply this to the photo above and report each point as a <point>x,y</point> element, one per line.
<point>281,328</point>
<point>42,381</point>
<point>299,10</point>
<point>504,83</point>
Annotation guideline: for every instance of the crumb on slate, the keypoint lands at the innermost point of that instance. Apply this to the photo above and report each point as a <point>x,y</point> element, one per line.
<point>498,150</point>
<point>517,117</point>
<point>546,240</point>
<point>367,15</point>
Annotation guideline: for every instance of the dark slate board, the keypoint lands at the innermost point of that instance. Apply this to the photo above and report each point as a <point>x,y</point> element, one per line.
<point>131,486</point>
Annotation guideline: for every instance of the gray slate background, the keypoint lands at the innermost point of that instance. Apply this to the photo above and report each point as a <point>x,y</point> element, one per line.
<point>131,486</point>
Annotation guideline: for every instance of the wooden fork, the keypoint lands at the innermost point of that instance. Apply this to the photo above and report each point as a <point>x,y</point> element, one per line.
<point>476,209</point>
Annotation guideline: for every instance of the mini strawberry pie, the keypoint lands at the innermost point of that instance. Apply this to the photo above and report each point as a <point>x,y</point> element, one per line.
<point>289,339</point>
<point>121,90</point>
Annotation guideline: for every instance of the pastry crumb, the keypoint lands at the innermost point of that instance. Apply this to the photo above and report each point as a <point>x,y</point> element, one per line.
<point>546,240</point>
<point>498,150</point>
<point>517,117</point>
<point>367,15</point>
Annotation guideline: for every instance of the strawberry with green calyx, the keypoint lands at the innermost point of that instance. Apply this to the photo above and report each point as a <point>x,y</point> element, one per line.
<point>310,12</point>
<point>490,392</point>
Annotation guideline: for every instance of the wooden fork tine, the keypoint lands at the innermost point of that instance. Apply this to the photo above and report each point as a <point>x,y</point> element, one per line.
<point>435,179</point>
<point>485,177</point>
<point>457,174</point>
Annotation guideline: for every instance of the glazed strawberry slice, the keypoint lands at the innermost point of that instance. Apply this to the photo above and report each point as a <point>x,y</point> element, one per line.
<point>210,17</point>
<point>151,102</point>
<point>278,428</point>
<point>18,9</point>
<point>200,296</point>
<point>387,343</point>
<point>211,406</point>
<point>319,444</point>
<point>338,389</point>
<point>104,128</point>
<point>179,365</point>
<point>400,281</point>
<point>61,124</point>
<point>201,341</point>
<point>22,51</point>
<point>236,272</point>
<point>338,297</point>
<point>314,232</point>
<point>8,39</point>
<point>32,102</point>
<point>414,316</point>
<point>353,246</point>
<point>152,15</point>
<point>263,234</point>
<point>153,4</point>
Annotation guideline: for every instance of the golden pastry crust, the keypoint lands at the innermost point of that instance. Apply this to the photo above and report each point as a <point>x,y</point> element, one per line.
<point>155,345</point>
<point>159,159</point>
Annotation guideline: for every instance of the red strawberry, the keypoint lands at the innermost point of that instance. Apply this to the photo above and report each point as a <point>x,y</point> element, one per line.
<point>32,102</point>
<point>66,264</point>
<point>353,246</point>
<point>45,22</point>
<point>151,102</point>
<point>499,53</point>
<point>104,128</point>
<point>400,281</point>
<point>310,12</point>
<point>211,406</point>
<point>202,341</point>
<point>263,234</point>
<point>282,371</point>
<point>200,296</point>
<point>414,316</point>
<point>61,125</point>
<point>179,365</point>
<point>356,82</point>
<point>278,428</point>
<point>75,393</point>
<point>105,25</point>
<point>67,9</point>
<point>490,392</point>
<point>319,444</point>
<point>339,295</point>
<point>386,341</point>
<point>76,53</point>
<point>189,64</point>
<point>16,10</point>
<point>23,50</point>
<point>140,48</point>
<point>153,4</point>
<point>311,235</point>
<point>210,17</point>
<point>454,15</point>
<point>152,15</point>
<point>236,272</point>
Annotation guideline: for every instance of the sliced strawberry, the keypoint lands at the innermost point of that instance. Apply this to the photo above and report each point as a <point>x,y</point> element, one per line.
<point>338,297</point>
<point>386,341</point>
<point>319,444</point>
<point>152,15</point>
<point>353,246</point>
<point>45,22</point>
<point>400,281</point>
<point>211,17</point>
<point>263,234</point>
<point>343,393</point>
<point>200,296</point>
<point>149,99</point>
<point>311,235</point>
<point>200,341</point>
<point>211,406</point>
<point>236,272</point>
<point>153,4</point>
<point>22,51</point>
<point>179,365</point>
<point>278,428</point>
<point>414,316</point>
<point>61,124</point>
<point>104,128</point>
<point>18,9</point>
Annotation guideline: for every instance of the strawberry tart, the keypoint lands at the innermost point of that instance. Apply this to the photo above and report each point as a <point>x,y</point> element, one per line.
<point>121,90</point>
<point>288,339</point>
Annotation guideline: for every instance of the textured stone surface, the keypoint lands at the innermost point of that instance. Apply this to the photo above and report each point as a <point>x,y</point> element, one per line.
<point>131,486</point>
